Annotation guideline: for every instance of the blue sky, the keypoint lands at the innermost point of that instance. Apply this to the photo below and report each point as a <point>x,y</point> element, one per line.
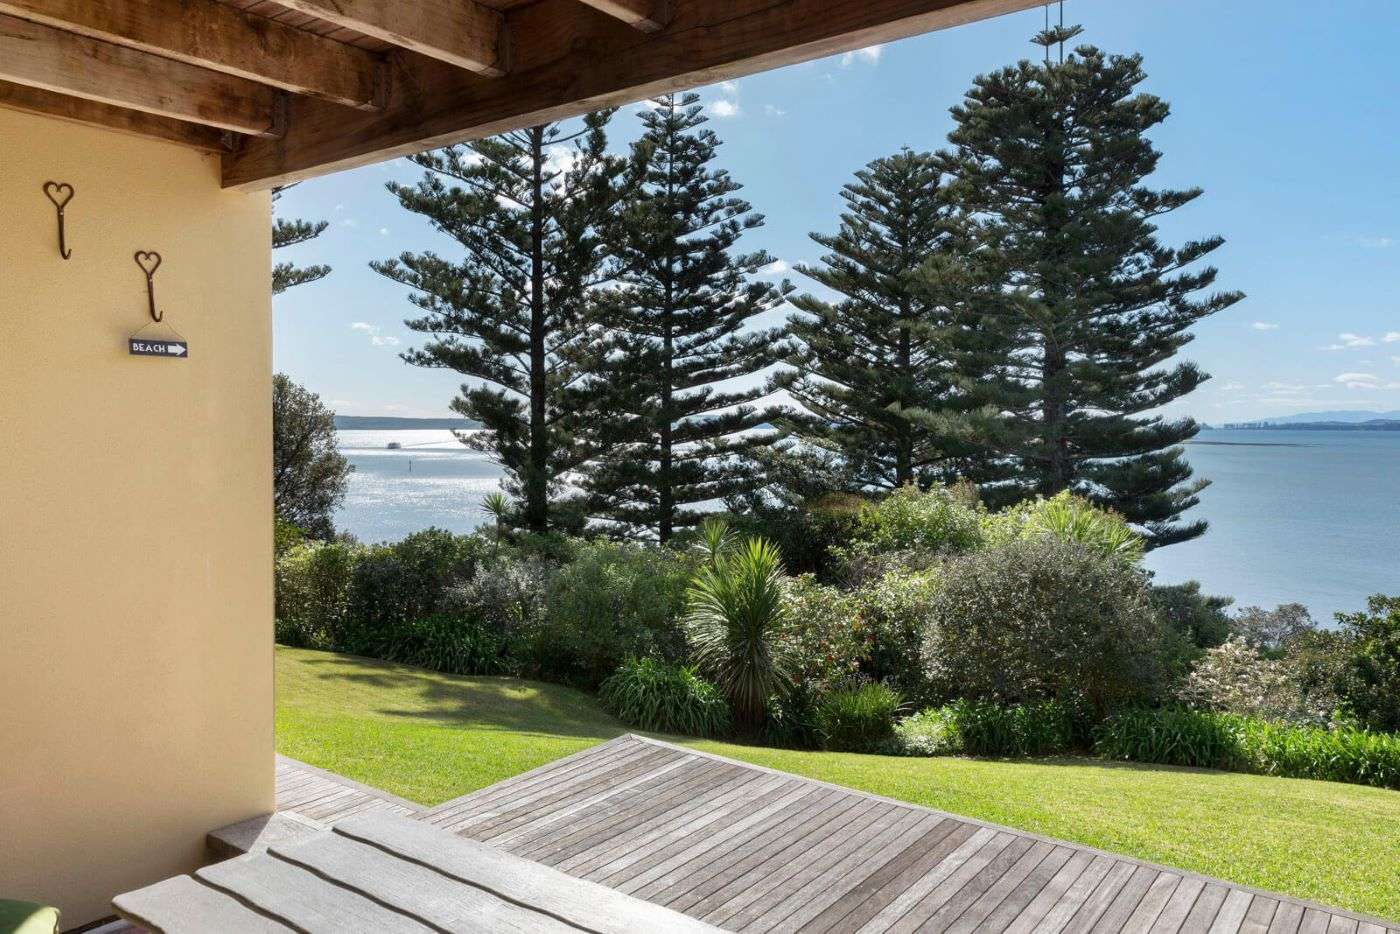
<point>1287,112</point>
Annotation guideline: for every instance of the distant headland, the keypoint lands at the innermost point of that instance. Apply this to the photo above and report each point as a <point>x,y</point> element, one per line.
<point>389,423</point>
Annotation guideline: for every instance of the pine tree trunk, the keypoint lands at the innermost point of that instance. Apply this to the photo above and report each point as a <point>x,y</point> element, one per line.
<point>666,505</point>
<point>1059,467</point>
<point>536,485</point>
<point>904,452</point>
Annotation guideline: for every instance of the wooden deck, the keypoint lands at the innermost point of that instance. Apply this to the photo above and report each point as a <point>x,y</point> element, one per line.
<point>751,849</point>
<point>326,797</point>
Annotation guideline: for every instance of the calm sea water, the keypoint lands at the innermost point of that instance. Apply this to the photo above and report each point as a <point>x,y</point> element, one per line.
<point>433,479</point>
<point>1296,516</point>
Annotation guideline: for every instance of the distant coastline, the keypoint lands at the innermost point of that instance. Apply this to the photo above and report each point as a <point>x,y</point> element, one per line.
<point>1375,424</point>
<point>389,423</point>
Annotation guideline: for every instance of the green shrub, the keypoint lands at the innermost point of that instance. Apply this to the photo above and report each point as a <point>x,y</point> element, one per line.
<point>652,695</point>
<point>1042,619</point>
<point>1236,678</point>
<point>614,600</point>
<point>893,614</point>
<point>1244,744</point>
<point>1194,738</point>
<point>930,732</point>
<point>860,719</point>
<point>941,520</point>
<point>312,593</point>
<point>453,644</point>
<point>820,631</point>
<point>1201,619</point>
<point>506,594</point>
<point>285,536</point>
<point>1067,518</point>
<point>793,719</point>
<point>733,621</point>
<point>979,728</point>
<point>405,581</point>
<point>1018,730</point>
<point>1371,686</point>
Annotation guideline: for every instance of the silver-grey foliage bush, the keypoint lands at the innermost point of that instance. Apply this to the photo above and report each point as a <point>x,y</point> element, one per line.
<point>1037,619</point>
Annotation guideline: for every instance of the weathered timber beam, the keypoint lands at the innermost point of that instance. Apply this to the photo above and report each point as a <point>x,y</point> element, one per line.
<point>570,60</point>
<point>216,36</point>
<point>646,15</point>
<point>463,33</point>
<point>132,122</point>
<point>43,57</point>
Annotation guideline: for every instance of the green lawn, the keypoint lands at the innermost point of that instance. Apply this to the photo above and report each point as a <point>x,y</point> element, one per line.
<point>430,737</point>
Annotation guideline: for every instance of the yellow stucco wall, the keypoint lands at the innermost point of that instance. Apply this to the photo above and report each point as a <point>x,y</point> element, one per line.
<point>135,505</point>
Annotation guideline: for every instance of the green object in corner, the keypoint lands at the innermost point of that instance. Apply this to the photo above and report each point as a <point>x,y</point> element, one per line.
<point>27,918</point>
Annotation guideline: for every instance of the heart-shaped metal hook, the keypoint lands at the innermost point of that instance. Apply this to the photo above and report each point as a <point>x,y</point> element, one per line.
<point>144,260</point>
<point>52,188</point>
<point>51,191</point>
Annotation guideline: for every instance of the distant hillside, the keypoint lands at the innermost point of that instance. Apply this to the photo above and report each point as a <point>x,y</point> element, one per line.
<point>1373,424</point>
<point>1345,416</point>
<point>387,423</point>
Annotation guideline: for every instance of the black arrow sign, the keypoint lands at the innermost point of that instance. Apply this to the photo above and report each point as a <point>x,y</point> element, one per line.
<point>141,347</point>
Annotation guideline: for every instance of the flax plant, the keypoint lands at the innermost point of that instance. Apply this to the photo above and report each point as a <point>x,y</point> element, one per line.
<point>733,614</point>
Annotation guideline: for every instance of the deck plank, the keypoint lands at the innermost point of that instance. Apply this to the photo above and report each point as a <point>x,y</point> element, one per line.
<point>867,899</point>
<point>874,829</point>
<point>772,879</point>
<point>582,904</point>
<point>414,889</point>
<point>195,909</point>
<point>303,900</point>
<point>1154,900</point>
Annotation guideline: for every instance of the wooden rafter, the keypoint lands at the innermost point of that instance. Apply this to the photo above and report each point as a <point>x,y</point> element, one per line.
<point>217,36</point>
<point>646,15</point>
<point>569,61</point>
<point>42,57</point>
<point>463,33</point>
<point>133,122</point>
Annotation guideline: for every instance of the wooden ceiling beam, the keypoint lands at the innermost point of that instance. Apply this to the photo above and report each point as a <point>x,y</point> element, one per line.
<point>219,37</point>
<point>132,122</point>
<point>40,56</point>
<point>646,15</point>
<point>463,33</point>
<point>570,60</point>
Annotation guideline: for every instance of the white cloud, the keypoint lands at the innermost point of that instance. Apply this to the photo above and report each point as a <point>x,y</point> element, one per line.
<point>1391,337</point>
<point>1395,360</point>
<point>349,222</point>
<point>730,88</point>
<point>1232,387</point>
<point>1364,381</point>
<point>870,54</point>
<point>383,231</point>
<point>724,109</point>
<point>1376,243</point>
<point>775,268</point>
<point>372,331</point>
<point>1264,326</point>
<point>773,111</point>
<point>1347,340</point>
<point>1284,387</point>
<point>561,158</point>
